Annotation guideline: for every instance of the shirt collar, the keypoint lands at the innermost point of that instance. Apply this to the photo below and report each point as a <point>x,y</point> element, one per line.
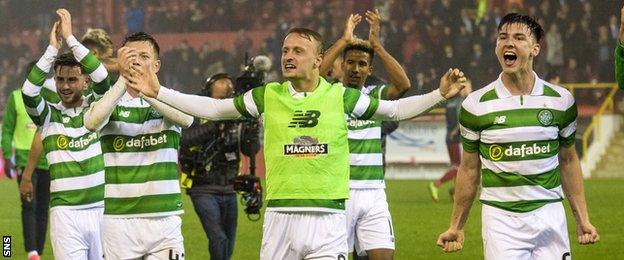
<point>503,92</point>
<point>295,94</point>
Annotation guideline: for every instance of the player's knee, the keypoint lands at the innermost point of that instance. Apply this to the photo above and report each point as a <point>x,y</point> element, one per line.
<point>380,254</point>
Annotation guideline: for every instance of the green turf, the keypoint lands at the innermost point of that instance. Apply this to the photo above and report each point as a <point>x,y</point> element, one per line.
<point>417,223</point>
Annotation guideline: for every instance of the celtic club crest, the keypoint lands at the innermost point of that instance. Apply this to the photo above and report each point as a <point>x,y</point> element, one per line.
<point>545,117</point>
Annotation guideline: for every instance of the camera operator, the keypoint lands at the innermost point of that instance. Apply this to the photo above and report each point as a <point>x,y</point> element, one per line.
<point>210,156</point>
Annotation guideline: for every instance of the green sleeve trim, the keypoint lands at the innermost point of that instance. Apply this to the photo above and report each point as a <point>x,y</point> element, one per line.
<point>37,76</point>
<point>471,146</point>
<point>372,108</point>
<point>258,98</point>
<point>384,92</point>
<point>469,120</point>
<point>570,115</point>
<point>101,87</point>
<point>350,98</point>
<point>239,103</point>
<point>567,141</point>
<point>90,63</point>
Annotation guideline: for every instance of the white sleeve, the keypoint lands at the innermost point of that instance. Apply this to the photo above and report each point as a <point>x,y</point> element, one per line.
<point>199,106</point>
<point>408,107</point>
<point>100,111</point>
<point>173,115</point>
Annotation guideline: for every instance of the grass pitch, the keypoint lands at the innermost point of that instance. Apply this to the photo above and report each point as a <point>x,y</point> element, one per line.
<point>417,223</point>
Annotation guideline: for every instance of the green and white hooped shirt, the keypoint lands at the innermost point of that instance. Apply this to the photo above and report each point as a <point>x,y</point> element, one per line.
<point>518,139</point>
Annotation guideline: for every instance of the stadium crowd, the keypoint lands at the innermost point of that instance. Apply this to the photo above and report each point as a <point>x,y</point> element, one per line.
<point>424,35</point>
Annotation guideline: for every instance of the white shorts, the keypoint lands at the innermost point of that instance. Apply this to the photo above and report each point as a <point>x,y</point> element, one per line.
<point>143,238</point>
<point>75,233</point>
<point>369,225</point>
<point>539,234</point>
<point>303,235</point>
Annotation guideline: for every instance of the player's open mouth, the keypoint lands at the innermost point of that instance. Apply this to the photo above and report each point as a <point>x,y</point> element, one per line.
<point>510,58</point>
<point>66,92</point>
<point>289,67</point>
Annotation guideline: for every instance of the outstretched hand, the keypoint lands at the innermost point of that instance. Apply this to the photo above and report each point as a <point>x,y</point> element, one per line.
<point>352,21</point>
<point>452,82</point>
<point>66,23</point>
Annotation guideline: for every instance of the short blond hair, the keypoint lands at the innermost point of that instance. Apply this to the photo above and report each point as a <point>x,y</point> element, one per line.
<point>97,38</point>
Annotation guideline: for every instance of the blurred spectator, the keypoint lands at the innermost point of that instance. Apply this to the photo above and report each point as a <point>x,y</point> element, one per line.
<point>418,30</point>
<point>554,48</point>
<point>134,17</point>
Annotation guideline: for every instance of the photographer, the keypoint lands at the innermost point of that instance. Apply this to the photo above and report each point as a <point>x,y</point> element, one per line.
<point>210,156</point>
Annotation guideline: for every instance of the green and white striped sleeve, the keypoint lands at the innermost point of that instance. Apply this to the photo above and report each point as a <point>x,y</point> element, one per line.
<point>93,66</point>
<point>36,107</point>
<point>251,104</point>
<point>567,133</point>
<point>469,127</point>
<point>380,92</point>
<point>358,105</point>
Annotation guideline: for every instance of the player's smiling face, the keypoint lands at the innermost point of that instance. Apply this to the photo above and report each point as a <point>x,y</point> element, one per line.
<point>70,83</point>
<point>299,56</point>
<point>357,67</point>
<point>516,47</point>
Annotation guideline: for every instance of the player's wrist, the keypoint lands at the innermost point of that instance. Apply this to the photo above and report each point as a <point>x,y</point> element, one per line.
<point>72,41</point>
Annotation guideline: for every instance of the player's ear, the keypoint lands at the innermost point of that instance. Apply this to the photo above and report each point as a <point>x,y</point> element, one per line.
<point>535,50</point>
<point>318,60</point>
<point>156,66</point>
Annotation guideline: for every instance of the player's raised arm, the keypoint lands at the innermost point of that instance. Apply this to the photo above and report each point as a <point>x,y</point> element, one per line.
<point>450,84</point>
<point>399,82</point>
<point>88,61</point>
<point>199,106</point>
<point>36,106</point>
<point>100,111</point>
<point>338,47</point>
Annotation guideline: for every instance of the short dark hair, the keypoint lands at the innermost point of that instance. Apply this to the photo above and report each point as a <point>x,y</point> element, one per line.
<point>207,90</point>
<point>309,34</point>
<point>142,37</point>
<point>534,26</point>
<point>67,59</point>
<point>360,45</point>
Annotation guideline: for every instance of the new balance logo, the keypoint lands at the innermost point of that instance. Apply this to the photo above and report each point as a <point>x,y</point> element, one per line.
<point>124,113</point>
<point>500,120</point>
<point>305,118</point>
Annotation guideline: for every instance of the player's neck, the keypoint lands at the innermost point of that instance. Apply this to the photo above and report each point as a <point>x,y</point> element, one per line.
<point>520,82</point>
<point>305,84</point>
<point>73,104</point>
